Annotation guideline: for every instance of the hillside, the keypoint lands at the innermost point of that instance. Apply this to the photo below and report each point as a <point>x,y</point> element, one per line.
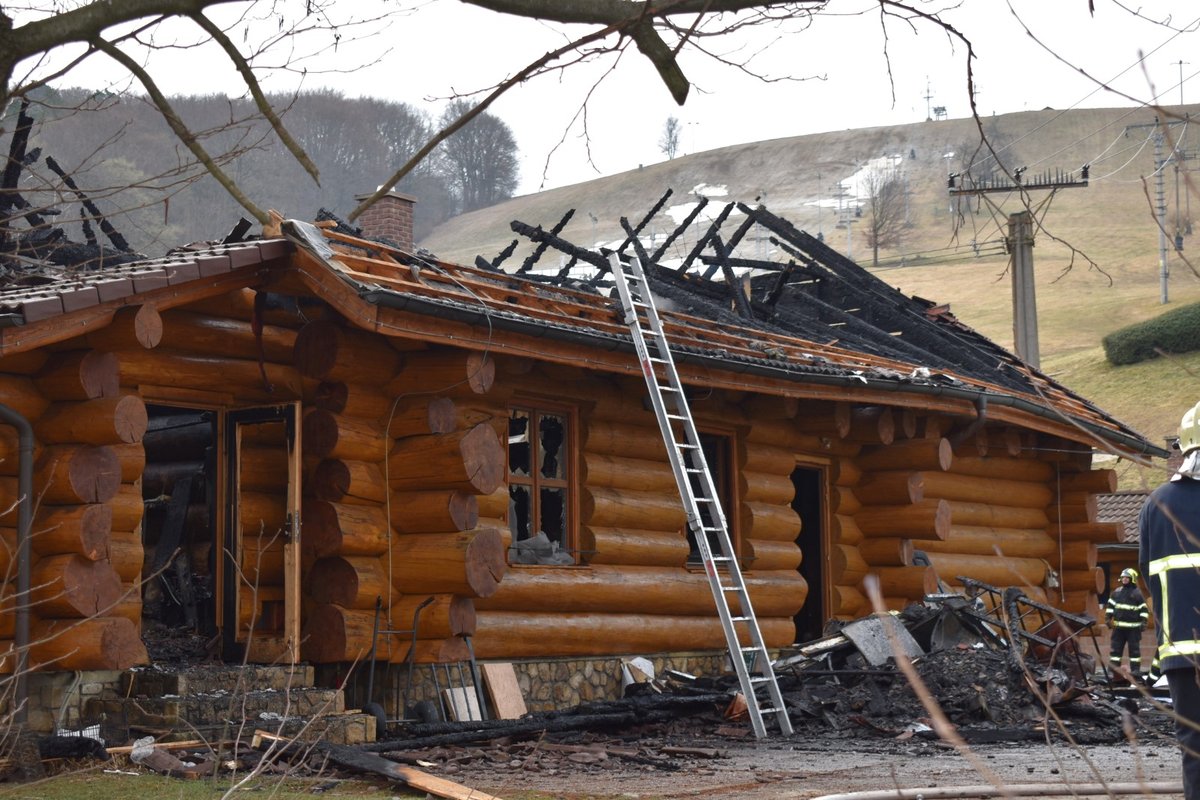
<point>1110,278</point>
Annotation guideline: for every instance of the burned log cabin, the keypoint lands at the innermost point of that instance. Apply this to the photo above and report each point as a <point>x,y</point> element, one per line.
<point>265,441</point>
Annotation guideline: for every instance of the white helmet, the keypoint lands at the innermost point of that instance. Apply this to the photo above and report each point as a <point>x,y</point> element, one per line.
<point>1189,430</point>
<point>1129,572</point>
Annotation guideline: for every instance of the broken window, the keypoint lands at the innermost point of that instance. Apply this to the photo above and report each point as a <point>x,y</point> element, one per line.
<point>717,449</point>
<point>539,492</point>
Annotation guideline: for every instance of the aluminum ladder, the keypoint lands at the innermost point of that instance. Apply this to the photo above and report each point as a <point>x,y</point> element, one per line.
<point>701,500</point>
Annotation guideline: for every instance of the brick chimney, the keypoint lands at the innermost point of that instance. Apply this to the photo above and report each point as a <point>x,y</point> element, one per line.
<point>390,218</point>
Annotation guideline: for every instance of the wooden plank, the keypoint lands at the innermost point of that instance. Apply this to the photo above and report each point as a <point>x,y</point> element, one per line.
<point>500,681</point>
<point>463,703</point>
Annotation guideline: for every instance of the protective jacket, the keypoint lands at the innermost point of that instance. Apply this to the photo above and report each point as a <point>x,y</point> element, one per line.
<point>1169,555</point>
<point>1127,608</point>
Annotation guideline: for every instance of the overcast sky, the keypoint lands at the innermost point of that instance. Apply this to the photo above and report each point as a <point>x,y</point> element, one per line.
<point>445,46</point>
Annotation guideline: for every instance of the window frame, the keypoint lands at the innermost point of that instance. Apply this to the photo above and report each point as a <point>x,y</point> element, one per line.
<point>725,476</point>
<point>537,407</point>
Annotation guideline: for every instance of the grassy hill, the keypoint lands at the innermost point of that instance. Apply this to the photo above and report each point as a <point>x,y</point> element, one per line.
<point>1096,253</point>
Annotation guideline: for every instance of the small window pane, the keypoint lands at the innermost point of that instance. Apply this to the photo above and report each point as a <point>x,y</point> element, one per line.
<point>518,442</point>
<point>554,514</point>
<point>518,511</point>
<point>551,430</point>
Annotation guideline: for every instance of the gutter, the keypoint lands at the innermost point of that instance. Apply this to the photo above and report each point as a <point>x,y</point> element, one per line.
<point>478,315</point>
<point>24,557</point>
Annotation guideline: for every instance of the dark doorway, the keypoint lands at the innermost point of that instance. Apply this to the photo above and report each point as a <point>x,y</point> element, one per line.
<point>809,504</point>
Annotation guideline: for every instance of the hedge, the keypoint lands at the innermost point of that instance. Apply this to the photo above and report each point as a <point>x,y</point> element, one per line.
<point>1177,331</point>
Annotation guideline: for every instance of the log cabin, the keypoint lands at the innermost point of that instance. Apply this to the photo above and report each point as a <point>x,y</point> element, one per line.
<point>268,440</point>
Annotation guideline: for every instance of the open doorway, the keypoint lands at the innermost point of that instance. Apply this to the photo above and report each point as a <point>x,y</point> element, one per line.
<point>179,532</point>
<point>809,503</point>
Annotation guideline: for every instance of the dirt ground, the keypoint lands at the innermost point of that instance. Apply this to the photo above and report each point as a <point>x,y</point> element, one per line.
<point>804,768</point>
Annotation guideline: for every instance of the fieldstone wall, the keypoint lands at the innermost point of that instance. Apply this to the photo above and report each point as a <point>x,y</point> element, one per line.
<point>74,701</point>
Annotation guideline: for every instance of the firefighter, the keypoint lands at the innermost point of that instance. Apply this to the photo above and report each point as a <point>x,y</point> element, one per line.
<point>1169,557</point>
<point>1127,614</point>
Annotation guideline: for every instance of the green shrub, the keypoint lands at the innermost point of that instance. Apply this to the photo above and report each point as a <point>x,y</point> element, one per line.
<point>1177,331</point>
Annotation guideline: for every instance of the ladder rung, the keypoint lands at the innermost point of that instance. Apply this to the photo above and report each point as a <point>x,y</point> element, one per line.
<point>721,559</point>
<point>770,710</point>
<point>760,678</point>
<point>740,619</point>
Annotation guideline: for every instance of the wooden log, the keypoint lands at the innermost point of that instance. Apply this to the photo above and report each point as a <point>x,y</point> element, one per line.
<point>360,402</point>
<point>995,491</point>
<point>1098,532</point>
<point>848,602</point>
<point>348,581</point>
<point>132,457</point>
<point>964,513</point>
<point>80,529</point>
<point>1093,481</point>
<point>845,472</point>
<point>240,377</point>
<point>472,460</point>
<point>993,569</point>
<point>130,604</point>
<point>619,508</point>
<point>763,457</point>
<point>911,582</point>
<point>767,522</point>
<point>422,414</point>
<point>26,363</point>
<point>494,504</point>
<point>969,444</point>
<point>927,520</point>
<point>331,352</point>
<point>1073,507</point>
<point>623,589</point>
<point>431,651</point>
<point>207,334</point>
<point>328,435</point>
<point>1082,580</point>
<point>620,472</point>
<point>986,540</point>
<point>10,450</point>
<point>892,488</point>
<point>1075,555</point>
<point>633,546</point>
<point>262,514</point>
<point>621,439</point>
<point>126,554</point>
<point>446,616</point>
<point>766,487</point>
<point>334,635</point>
<point>77,474</point>
<point>506,635</point>
<point>341,481</point>
<point>450,372</point>
<point>906,423</point>
<point>1004,440</point>
<point>469,563</point>
<point>261,560</point>
<point>22,395</point>
<point>1013,469</point>
<point>79,375</point>
<point>872,425</point>
<point>829,418</point>
<point>332,529</point>
<point>127,507</point>
<point>131,327</point>
<point>846,565</point>
<point>760,554</point>
<point>887,551</point>
<point>105,420</point>
<point>844,530</point>
<point>435,511</point>
<point>98,643</point>
<point>160,477</point>
<point>843,500</point>
<point>914,454</point>
<point>71,586</point>
<point>765,406</point>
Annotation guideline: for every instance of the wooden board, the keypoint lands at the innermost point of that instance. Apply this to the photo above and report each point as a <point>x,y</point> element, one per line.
<point>500,680</point>
<point>462,703</point>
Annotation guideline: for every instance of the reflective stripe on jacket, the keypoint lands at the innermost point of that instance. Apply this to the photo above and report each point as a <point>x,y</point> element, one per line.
<point>1169,526</point>
<point>1127,608</point>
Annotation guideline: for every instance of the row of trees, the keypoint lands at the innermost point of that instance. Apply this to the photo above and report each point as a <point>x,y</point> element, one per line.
<point>119,151</point>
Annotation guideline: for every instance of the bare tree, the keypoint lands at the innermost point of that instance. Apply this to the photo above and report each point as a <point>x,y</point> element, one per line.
<point>884,198</point>
<point>669,142</point>
<point>480,160</point>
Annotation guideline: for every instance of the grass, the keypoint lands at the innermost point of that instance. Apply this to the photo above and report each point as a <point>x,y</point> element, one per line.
<point>98,785</point>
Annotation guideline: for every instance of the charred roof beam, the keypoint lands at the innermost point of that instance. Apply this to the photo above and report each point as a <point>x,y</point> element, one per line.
<point>679,230</point>
<point>632,235</point>
<point>541,248</point>
<point>702,242</point>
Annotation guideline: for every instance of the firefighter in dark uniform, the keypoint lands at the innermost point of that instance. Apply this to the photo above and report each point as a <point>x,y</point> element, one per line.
<point>1169,557</point>
<point>1127,614</point>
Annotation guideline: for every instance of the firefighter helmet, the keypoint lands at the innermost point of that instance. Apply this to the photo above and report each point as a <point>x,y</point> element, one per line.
<point>1189,430</point>
<point>1129,572</point>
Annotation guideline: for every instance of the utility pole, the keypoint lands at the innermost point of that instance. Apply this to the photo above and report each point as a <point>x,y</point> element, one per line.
<point>1020,246</point>
<point>1160,196</point>
<point>928,97</point>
